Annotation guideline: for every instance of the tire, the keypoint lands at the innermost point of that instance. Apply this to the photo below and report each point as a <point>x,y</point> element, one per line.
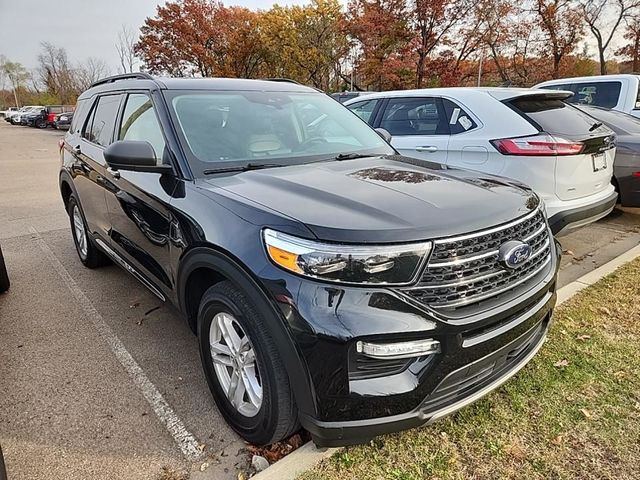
<point>41,124</point>
<point>276,415</point>
<point>4,276</point>
<point>88,253</point>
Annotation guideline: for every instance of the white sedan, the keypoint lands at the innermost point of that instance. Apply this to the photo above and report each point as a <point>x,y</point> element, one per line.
<point>532,136</point>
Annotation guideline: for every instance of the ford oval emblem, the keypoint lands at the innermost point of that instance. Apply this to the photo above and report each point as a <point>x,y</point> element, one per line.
<point>514,253</point>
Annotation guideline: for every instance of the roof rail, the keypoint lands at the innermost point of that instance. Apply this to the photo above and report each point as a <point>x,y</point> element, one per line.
<point>283,80</point>
<point>122,76</point>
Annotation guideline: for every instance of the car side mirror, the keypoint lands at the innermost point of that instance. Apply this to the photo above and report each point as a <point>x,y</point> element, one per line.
<point>134,155</point>
<point>386,136</point>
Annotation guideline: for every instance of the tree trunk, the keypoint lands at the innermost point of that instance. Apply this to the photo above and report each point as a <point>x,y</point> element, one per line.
<point>603,62</point>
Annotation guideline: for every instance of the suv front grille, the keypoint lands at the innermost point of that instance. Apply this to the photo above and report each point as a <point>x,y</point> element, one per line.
<point>465,270</point>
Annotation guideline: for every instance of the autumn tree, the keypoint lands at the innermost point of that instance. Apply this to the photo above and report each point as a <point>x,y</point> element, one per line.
<point>381,32</point>
<point>603,18</point>
<point>17,76</point>
<point>561,22</point>
<point>631,50</point>
<point>432,22</point>
<point>305,43</point>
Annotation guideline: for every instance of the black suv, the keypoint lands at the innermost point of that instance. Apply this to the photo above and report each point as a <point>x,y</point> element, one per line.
<point>331,283</point>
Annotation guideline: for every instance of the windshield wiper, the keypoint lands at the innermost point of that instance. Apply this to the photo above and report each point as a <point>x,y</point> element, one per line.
<point>241,168</point>
<point>595,126</point>
<point>351,156</point>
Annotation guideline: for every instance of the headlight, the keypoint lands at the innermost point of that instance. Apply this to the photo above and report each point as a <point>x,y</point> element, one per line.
<point>62,118</point>
<point>354,264</point>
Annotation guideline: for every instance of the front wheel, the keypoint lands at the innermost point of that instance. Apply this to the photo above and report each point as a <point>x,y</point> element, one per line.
<point>243,367</point>
<point>4,276</point>
<point>41,123</point>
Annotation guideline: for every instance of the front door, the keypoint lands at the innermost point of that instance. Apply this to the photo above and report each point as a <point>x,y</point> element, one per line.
<point>418,127</point>
<point>138,201</point>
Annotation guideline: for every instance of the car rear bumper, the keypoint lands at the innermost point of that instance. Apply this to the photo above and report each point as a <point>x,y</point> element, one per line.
<point>566,220</point>
<point>508,360</point>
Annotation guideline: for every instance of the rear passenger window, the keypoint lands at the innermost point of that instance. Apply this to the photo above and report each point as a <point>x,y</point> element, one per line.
<point>99,128</point>
<point>414,116</point>
<point>459,120</point>
<point>139,122</point>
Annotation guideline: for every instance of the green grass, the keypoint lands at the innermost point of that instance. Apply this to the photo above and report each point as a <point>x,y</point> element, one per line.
<point>579,421</point>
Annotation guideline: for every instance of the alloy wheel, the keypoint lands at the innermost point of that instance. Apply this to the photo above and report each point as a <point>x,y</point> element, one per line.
<point>234,362</point>
<point>80,232</point>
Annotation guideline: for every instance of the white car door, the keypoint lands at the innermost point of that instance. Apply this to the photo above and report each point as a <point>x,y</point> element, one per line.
<point>418,127</point>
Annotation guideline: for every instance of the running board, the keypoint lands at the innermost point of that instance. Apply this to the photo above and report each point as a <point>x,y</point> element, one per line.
<point>120,261</point>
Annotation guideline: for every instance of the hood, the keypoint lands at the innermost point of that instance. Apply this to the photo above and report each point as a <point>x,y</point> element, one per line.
<point>380,199</point>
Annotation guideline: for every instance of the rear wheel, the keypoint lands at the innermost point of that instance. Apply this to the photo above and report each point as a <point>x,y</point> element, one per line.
<point>41,123</point>
<point>243,367</point>
<point>4,277</point>
<point>89,255</point>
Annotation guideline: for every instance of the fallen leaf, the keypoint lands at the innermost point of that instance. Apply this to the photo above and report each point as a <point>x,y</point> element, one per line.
<point>586,413</point>
<point>604,310</point>
<point>583,337</point>
<point>569,252</point>
<point>561,363</point>
<point>204,466</point>
<point>558,440</point>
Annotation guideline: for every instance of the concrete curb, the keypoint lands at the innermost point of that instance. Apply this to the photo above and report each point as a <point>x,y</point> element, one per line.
<point>307,456</point>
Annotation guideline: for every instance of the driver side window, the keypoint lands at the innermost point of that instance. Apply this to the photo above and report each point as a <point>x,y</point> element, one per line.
<point>139,122</point>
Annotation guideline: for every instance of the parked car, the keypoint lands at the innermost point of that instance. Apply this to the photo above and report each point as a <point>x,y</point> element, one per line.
<point>54,110</point>
<point>16,118</point>
<point>617,92</point>
<point>3,470</point>
<point>331,282</point>
<point>62,121</point>
<point>345,96</point>
<point>35,118</point>
<point>531,136</point>
<point>4,277</point>
<point>9,111</point>
<point>626,167</point>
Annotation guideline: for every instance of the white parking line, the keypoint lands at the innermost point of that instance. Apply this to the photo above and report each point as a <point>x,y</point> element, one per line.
<point>185,440</point>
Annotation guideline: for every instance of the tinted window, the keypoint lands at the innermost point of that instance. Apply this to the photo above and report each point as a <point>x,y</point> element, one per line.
<point>364,109</point>
<point>79,113</point>
<point>99,128</point>
<point>555,116</point>
<point>139,122</point>
<point>272,127</point>
<point>414,116</point>
<point>601,94</point>
<point>459,120</point>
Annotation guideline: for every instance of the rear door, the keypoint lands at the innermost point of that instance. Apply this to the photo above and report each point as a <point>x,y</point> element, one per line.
<point>579,175</point>
<point>418,126</point>
<point>89,166</point>
<point>365,109</point>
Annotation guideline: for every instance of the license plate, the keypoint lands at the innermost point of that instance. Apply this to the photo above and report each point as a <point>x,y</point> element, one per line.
<point>599,162</point>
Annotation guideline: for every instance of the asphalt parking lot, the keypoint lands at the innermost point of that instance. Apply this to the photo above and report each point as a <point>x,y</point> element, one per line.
<point>98,379</point>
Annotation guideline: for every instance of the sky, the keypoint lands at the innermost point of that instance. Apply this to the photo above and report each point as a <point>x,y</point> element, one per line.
<point>85,28</point>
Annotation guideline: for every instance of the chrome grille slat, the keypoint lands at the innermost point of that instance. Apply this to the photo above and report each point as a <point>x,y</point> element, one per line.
<point>465,270</point>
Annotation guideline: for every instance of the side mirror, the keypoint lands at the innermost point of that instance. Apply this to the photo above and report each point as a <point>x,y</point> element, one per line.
<point>386,136</point>
<point>134,155</point>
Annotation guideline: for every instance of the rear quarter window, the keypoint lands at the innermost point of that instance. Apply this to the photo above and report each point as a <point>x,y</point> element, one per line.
<point>555,116</point>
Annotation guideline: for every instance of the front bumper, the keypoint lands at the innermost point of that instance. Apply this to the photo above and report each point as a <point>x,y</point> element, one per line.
<point>566,220</point>
<point>522,349</point>
<point>480,351</point>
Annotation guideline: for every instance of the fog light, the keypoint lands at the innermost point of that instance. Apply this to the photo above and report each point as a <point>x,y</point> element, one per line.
<point>415,348</point>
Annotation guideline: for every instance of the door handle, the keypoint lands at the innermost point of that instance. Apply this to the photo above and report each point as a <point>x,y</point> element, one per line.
<point>427,149</point>
<point>114,173</point>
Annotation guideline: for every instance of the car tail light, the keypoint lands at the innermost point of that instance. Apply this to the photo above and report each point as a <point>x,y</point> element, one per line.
<point>537,145</point>
<point>635,174</point>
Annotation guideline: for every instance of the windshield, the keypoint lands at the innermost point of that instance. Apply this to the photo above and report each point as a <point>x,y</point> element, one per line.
<point>237,128</point>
